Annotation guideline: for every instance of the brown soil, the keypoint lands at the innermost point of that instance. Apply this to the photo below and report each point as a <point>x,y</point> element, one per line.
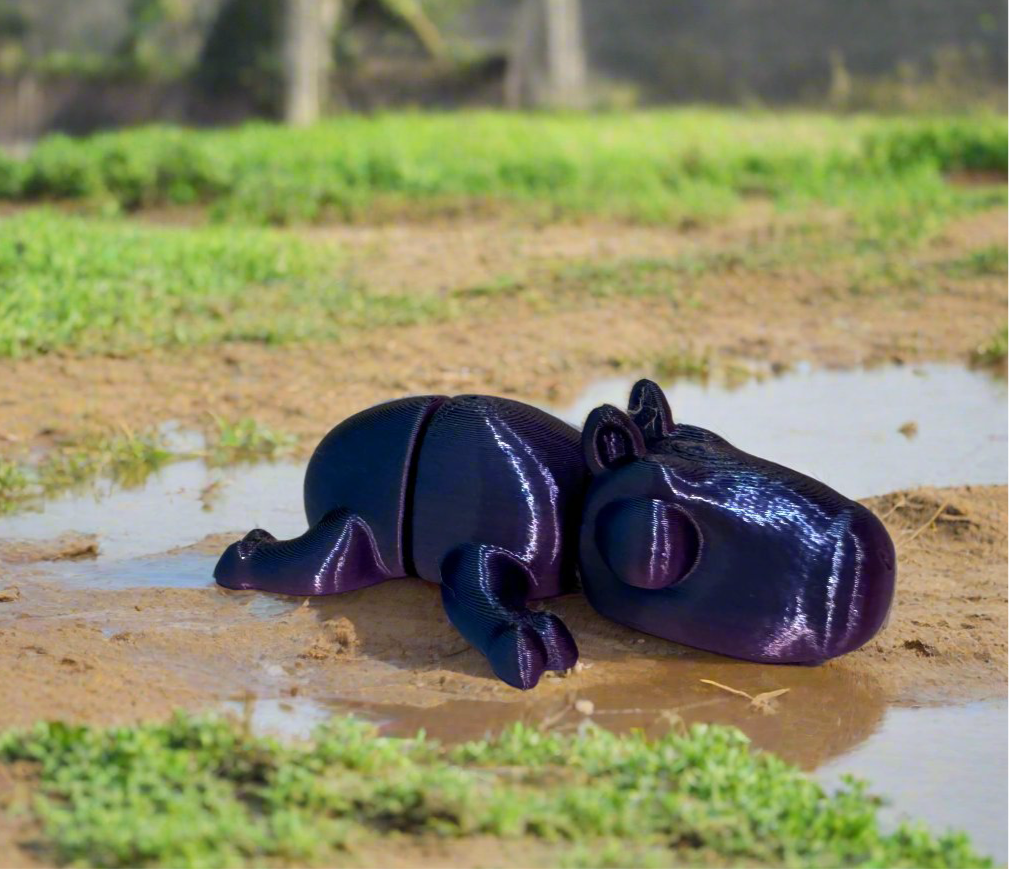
<point>121,656</point>
<point>536,344</point>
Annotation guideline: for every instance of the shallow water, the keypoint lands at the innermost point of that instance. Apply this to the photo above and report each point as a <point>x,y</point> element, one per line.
<point>841,427</point>
<point>944,765</point>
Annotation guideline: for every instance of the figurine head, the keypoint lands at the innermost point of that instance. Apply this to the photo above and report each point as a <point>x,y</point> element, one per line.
<point>688,538</point>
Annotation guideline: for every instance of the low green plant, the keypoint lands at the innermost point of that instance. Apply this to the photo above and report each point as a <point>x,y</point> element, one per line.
<point>126,457</point>
<point>671,165</point>
<point>949,144</point>
<point>986,260</point>
<point>993,351</point>
<point>682,363</point>
<point>204,792</point>
<point>99,285</point>
<point>244,440</point>
<point>15,485</point>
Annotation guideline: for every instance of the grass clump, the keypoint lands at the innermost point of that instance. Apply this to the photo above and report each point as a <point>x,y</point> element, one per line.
<point>684,164</point>
<point>126,458</point>
<point>110,286</point>
<point>986,260</point>
<point>15,484</point>
<point>244,440</point>
<point>682,363</point>
<point>993,351</point>
<point>955,144</point>
<point>203,792</point>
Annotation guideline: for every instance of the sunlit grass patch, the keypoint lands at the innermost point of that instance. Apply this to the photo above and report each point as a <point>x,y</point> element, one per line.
<point>680,165</point>
<point>993,351</point>
<point>103,285</point>
<point>986,260</point>
<point>15,484</point>
<point>682,363</point>
<point>195,792</point>
<point>245,439</point>
<point>128,458</point>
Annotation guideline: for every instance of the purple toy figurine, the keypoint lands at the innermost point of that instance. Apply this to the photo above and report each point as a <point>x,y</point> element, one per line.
<point>669,529</point>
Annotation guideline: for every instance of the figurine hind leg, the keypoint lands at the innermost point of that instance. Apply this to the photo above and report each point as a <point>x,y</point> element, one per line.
<point>337,554</point>
<point>484,590</point>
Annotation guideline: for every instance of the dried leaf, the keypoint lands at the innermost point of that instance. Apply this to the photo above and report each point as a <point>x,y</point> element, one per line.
<point>725,688</point>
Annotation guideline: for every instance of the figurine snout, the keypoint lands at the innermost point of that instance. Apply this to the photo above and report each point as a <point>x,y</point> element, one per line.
<point>869,576</point>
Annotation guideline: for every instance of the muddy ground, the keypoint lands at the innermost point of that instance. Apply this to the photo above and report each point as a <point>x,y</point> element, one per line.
<point>121,656</point>
<point>525,328</point>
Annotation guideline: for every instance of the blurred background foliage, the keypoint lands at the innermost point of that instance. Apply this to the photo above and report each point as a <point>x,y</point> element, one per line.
<point>79,65</point>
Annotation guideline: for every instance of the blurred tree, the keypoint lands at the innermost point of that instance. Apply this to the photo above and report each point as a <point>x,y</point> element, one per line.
<point>308,54</point>
<point>13,29</point>
<point>156,33</point>
<point>311,28</point>
<point>547,65</point>
<point>240,55</point>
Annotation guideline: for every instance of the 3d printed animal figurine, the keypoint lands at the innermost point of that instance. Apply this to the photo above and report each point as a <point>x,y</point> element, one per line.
<point>670,529</point>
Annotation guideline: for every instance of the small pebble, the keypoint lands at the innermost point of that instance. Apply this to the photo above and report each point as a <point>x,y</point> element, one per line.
<point>585,706</point>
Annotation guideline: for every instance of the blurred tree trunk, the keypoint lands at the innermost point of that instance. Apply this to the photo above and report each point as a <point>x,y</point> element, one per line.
<point>547,65</point>
<point>308,53</point>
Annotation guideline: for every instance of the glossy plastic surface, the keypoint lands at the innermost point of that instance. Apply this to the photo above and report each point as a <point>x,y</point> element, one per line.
<point>722,550</point>
<point>678,533</point>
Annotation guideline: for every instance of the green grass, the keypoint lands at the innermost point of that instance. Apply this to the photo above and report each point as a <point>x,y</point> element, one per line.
<point>685,164</point>
<point>15,485</point>
<point>195,792</point>
<point>244,440</point>
<point>986,260</point>
<point>993,351</point>
<point>682,363</point>
<point>99,285</point>
<point>128,459</point>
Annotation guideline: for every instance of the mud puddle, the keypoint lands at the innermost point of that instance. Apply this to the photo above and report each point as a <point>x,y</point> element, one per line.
<point>944,766</point>
<point>141,614</point>
<point>864,432</point>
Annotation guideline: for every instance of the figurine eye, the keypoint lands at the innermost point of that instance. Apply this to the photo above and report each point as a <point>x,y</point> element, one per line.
<point>647,543</point>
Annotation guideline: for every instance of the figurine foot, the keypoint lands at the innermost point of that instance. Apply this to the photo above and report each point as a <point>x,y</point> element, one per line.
<point>484,591</point>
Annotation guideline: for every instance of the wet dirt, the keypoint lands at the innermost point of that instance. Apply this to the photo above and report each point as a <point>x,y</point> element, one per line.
<point>75,648</point>
<point>72,650</point>
<point>136,629</point>
<point>538,345</point>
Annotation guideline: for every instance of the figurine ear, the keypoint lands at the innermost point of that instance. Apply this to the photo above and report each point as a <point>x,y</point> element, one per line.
<point>610,439</point>
<point>650,410</point>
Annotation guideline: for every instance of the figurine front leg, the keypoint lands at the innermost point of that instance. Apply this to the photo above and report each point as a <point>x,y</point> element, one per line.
<point>484,590</point>
<point>338,554</point>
